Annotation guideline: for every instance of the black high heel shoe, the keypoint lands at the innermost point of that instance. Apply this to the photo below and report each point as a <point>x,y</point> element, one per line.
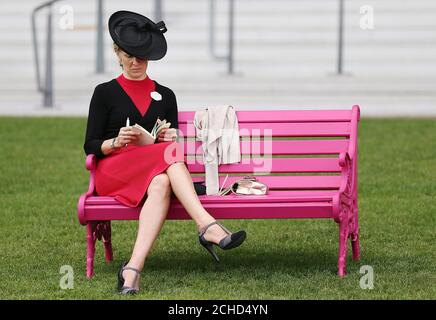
<point>232,240</point>
<point>121,288</point>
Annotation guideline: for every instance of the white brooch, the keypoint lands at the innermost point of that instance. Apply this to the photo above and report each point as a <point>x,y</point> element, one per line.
<point>156,95</point>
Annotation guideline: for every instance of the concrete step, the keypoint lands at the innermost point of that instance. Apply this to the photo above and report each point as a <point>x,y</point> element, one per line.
<point>249,6</point>
<point>370,106</point>
<point>316,54</point>
<point>194,14</point>
<point>404,20</point>
<point>248,36</point>
<point>272,68</point>
<point>321,85</point>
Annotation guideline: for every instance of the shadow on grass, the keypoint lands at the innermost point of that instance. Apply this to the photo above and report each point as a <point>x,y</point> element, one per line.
<point>302,262</point>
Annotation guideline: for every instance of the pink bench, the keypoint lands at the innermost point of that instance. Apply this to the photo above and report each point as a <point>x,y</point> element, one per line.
<point>317,178</point>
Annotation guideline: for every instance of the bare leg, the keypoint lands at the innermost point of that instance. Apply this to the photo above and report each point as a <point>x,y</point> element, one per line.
<point>181,184</point>
<point>155,209</point>
<point>151,220</point>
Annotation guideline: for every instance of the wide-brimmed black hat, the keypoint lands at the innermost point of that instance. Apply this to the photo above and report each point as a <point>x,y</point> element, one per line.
<point>137,35</point>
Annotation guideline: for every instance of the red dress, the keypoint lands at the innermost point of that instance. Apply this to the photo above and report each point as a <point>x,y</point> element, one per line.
<point>127,172</point>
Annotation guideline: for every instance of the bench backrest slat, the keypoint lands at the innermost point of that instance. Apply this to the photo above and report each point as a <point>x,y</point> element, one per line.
<point>280,147</point>
<point>288,182</point>
<point>295,129</point>
<point>273,165</point>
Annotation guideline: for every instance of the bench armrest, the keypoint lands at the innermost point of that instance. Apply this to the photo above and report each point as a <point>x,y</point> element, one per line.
<point>355,117</point>
<point>345,164</point>
<point>347,173</point>
<point>345,159</point>
<point>347,187</point>
<point>348,160</point>
<point>91,162</point>
<point>91,165</point>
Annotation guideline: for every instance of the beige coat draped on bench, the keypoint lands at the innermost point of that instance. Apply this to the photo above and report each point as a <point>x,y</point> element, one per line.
<point>218,130</point>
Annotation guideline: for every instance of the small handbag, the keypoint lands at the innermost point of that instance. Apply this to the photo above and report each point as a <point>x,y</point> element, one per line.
<point>248,185</point>
<point>200,188</point>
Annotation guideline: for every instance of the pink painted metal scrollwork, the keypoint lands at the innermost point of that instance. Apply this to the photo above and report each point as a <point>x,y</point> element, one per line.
<point>347,212</point>
<point>98,230</point>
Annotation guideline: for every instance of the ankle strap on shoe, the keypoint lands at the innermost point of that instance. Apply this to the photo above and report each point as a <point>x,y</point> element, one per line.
<point>204,229</point>
<point>133,269</point>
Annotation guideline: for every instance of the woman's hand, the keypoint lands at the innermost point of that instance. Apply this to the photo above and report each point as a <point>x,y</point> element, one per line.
<point>167,134</point>
<point>126,136</point>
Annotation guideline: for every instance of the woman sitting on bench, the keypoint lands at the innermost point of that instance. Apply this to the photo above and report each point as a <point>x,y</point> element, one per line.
<point>143,175</point>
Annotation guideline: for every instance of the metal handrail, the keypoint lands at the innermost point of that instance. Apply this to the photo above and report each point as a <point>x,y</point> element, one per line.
<point>47,89</point>
<point>229,56</point>
<point>340,36</point>
<point>158,10</point>
<point>99,59</point>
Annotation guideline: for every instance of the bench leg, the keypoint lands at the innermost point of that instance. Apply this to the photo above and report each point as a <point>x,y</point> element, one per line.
<point>355,244</point>
<point>90,249</point>
<point>107,241</point>
<point>100,230</point>
<point>342,255</point>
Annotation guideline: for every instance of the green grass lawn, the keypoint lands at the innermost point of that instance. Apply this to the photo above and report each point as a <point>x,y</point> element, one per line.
<point>43,174</point>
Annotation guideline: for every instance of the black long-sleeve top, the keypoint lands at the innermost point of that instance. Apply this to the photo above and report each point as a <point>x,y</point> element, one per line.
<point>110,107</point>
